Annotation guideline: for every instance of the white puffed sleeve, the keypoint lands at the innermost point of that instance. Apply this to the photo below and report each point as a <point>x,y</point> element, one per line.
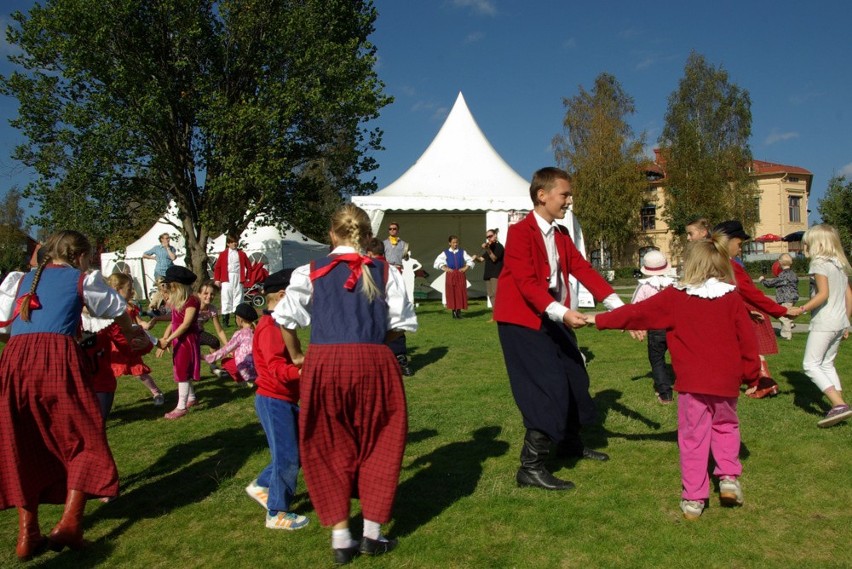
<point>102,300</point>
<point>401,314</point>
<point>294,310</point>
<point>8,294</point>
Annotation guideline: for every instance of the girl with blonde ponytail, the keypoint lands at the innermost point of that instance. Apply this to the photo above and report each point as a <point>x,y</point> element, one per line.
<point>53,446</point>
<point>353,420</point>
<point>713,350</point>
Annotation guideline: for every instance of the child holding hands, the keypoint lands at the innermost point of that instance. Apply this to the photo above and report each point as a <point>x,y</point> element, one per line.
<point>654,267</point>
<point>277,406</point>
<point>831,308</point>
<point>710,360</point>
<point>353,421</point>
<point>241,366</point>
<point>183,337</point>
<point>786,286</point>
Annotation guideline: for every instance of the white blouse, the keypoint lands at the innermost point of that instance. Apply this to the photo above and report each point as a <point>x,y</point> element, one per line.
<point>100,299</point>
<point>294,310</point>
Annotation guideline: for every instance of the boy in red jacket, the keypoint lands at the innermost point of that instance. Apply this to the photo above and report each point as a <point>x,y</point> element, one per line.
<point>277,408</point>
<point>546,371</point>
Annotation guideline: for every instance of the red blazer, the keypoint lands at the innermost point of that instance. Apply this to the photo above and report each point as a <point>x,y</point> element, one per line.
<point>522,288</point>
<point>220,269</point>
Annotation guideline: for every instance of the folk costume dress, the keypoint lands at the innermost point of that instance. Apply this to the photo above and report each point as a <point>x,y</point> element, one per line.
<point>455,288</point>
<point>52,436</point>
<point>187,347</point>
<point>756,300</point>
<point>124,360</point>
<point>353,420</point>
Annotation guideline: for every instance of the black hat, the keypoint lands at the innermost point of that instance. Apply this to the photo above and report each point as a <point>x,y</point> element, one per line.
<point>278,280</point>
<point>246,312</point>
<point>732,228</point>
<point>178,274</point>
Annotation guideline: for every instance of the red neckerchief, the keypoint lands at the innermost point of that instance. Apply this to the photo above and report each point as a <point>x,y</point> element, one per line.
<point>355,262</point>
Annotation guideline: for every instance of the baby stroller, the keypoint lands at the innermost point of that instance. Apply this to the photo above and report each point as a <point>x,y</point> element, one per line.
<point>254,287</point>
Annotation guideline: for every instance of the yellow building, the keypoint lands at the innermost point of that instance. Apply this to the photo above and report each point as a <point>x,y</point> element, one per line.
<point>783,193</point>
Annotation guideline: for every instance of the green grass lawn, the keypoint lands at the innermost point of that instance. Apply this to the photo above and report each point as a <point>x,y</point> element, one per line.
<point>183,503</point>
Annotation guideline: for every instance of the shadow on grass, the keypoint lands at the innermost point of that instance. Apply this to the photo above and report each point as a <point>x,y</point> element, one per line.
<point>650,375</point>
<point>210,395</point>
<point>806,396</point>
<point>419,361</point>
<point>607,402</point>
<point>449,473</point>
<point>186,474</point>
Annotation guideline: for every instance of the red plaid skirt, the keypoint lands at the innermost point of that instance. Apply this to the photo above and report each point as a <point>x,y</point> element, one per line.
<point>766,342</point>
<point>456,290</point>
<point>52,437</point>
<point>352,429</point>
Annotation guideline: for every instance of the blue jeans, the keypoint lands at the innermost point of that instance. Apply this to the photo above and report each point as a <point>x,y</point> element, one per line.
<point>280,421</point>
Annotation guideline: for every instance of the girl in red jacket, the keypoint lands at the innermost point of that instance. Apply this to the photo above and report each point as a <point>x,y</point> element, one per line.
<point>708,374</point>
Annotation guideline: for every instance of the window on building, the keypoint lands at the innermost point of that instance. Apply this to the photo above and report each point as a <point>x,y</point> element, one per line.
<point>649,217</point>
<point>792,179</point>
<point>794,203</point>
<point>750,247</point>
<point>757,209</point>
<point>596,260</point>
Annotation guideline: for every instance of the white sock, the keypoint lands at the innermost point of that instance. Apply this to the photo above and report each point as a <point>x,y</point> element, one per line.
<point>373,530</point>
<point>183,393</point>
<point>342,539</point>
<point>191,390</point>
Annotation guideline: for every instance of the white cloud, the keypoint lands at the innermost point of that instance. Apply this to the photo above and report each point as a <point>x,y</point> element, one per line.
<point>778,136</point>
<point>474,37</point>
<point>846,171</point>
<point>645,63</point>
<point>440,114</point>
<point>485,7</point>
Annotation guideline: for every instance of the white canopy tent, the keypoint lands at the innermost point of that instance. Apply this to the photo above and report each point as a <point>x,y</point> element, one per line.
<point>260,242</point>
<point>459,186</point>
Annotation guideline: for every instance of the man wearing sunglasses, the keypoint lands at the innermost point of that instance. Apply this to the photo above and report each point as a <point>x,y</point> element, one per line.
<point>396,250</point>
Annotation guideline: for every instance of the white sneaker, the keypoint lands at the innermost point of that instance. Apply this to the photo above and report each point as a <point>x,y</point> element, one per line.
<point>258,493</point>
<point>286,520</point>
<point>730,492</point>
<point>691,509</point>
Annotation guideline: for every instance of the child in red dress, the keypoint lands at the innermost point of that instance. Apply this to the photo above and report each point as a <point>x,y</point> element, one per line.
<point>183,336</point>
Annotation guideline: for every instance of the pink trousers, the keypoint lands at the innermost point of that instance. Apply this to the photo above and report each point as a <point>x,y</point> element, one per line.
<point>707,424</point>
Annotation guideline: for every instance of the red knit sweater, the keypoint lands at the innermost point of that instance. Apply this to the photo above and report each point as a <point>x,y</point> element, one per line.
<point>277,377</point>
<point>711,341</point>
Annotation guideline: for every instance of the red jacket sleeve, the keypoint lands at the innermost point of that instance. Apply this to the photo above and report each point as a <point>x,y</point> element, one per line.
<point>577,265</point>
<point>269,345</point>
<point>748,344</point>
<point>753,296</point>
<point>220,269</point>
<point>651,314</point>
<point>245,264</point>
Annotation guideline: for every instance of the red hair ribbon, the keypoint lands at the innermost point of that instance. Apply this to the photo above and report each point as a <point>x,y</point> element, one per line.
<point>355,262</point>
<point>34,304</point>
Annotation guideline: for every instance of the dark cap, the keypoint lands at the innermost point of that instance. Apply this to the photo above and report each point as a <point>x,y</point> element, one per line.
<point>246,312</point>
<point>278,280</point>
<point>178,274</point>
<point>732,228</point>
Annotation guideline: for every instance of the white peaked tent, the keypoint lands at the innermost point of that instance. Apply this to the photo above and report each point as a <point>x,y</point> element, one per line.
<point>278,250</point>
<point>459,186</point>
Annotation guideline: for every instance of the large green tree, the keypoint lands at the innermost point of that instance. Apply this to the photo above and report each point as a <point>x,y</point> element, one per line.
<point>13,233</point>
<point>705,147</point>
<point>238,110</point>
<point>835,208</point>
<point>599,149</point>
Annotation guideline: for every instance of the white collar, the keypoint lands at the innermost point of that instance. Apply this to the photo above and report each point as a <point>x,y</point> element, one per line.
<point>659,282</point>
<point>711,288</point>
<point>542,223</point>
<point>342,250</point>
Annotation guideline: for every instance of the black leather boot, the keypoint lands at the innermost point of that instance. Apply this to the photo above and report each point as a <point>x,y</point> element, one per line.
<point>226,320</point>
<point>532,471</point>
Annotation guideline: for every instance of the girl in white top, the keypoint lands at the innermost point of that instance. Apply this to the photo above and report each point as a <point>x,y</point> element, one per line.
<point>831,306</point>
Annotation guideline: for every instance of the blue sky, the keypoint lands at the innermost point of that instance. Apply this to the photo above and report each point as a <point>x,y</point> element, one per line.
<point>515,61</point>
